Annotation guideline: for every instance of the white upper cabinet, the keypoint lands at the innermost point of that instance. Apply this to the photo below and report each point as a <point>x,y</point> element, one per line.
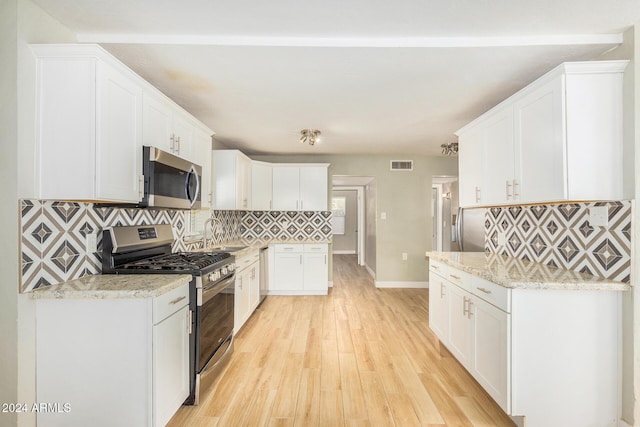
<point>300,187</point>
<point>88,126</point>
<point>93,115</point>
<point>232,180</point>
<point>167,127</point>
<point>261,186</point>
<point>558,139</point>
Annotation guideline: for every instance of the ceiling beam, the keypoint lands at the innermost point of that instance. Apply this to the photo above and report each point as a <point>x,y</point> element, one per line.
<point>430,42</point>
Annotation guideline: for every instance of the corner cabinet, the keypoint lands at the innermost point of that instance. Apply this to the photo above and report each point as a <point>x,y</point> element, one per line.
<point>558,139</point>
<point>232,180</point>
<point>88,126</point>
<point>299,269</point>
<point>532,348</point>
<point>120,361</point>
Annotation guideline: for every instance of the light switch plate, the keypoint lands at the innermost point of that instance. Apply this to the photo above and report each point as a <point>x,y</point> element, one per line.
<point>383,215</point>
<point>599,216</point>
<point>92,242</point>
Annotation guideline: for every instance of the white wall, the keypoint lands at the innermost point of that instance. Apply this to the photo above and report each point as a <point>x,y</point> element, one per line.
<point>347,242</point>
<point>21,22</point>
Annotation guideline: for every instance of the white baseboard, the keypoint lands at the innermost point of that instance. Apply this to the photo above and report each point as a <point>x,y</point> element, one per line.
<point>344,252</point>
<point>331,283</point>
<point>384,284</point>
<point>371,272</point>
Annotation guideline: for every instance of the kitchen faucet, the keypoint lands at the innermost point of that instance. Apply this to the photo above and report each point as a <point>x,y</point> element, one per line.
<point>214,230</point>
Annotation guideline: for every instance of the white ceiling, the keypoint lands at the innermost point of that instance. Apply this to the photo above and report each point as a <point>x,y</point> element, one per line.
<point>374,76</point>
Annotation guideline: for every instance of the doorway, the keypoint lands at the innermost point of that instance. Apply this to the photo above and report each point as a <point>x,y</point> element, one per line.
<point>444,209</point>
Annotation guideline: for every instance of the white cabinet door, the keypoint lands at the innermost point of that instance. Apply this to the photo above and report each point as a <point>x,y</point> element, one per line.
<point>202,143</point>
<point>540,144</point>
<point>315,271</point>
<point>170,365</point>
<point>470,164</point>
<point>460,326</point>
<point>491,356</point>
<point>498,169</point>
<point>261,186</point>
<point>243,181</point>
<point>286,188</point>
<point>288,274</point>
<point>183,129</point>
<point>438,307</point>
<point>241,300</point>
<point>313,188</point>
<point>119,137</point>
<point>157,123</point>
<point>254,287</point>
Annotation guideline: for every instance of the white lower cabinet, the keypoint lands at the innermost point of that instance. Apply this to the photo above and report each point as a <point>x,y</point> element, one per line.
<point>547,356</point>
<point>247,293</point>
<point>299,269</point>
<point>115,362</point>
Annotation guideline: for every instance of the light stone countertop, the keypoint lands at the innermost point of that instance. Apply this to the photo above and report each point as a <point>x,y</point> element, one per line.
<point>113,286</point>
<point>256,244</point>
<point>519,274</point>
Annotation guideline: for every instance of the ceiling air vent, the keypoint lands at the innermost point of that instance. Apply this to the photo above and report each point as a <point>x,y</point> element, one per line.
<point>401,165</point>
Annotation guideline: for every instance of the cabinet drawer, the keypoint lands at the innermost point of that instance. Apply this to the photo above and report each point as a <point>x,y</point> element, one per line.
<point>247,260</point>
<point>492,293</point>
<point>460,278</point>
<point>295,248</point>
<point>316,247</point>
<point>441,269</point>
<point>167,304</point>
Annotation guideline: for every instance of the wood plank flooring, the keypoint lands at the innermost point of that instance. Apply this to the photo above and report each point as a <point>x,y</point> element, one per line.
<point>360,356</point>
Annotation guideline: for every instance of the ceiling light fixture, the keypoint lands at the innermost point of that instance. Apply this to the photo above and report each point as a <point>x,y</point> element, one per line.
<point>310,136</point>
<point>450,149</point>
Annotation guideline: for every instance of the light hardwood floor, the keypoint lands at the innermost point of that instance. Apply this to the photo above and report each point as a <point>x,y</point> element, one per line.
<point>360,356</point>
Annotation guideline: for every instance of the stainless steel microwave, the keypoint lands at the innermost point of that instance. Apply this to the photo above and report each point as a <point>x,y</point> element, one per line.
<point>169,181</point>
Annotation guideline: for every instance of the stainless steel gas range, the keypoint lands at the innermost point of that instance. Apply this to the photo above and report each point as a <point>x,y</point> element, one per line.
<point>146,249</point>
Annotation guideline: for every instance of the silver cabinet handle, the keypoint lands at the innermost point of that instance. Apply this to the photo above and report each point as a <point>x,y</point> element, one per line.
<point>477,194</point>
<point>178,145</point>
<point>486,291</point>
<point>301,205</point>
<point>442,293</point>
<point>177,300</point>
<point>435,267</point>
<point>141,186</point>
<point>469,311</point>
<point>516,192</point>
<point>454,277</point>
<point>508,188</point>
<point>172,142</point>
<point>465,310</point>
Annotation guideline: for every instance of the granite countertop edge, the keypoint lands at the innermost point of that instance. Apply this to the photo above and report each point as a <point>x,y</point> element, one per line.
<point>511,273</point>
<point>113,286</point>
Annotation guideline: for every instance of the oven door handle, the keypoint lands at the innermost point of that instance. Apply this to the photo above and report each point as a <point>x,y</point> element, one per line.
<point>205,294</point>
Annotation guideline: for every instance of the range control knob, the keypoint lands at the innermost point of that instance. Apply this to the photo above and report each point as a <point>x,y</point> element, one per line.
<point>212,277</point>
<point>224,271</point>
<point>232,266</point>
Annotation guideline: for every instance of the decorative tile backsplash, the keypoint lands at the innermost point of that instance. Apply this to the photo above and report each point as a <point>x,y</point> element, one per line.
<point>286,225</point>
<point>53,243</point>
<point>561,235</point>
<point>54,234</point>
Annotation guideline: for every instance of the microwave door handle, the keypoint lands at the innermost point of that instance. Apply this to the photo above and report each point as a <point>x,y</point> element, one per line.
<point>192,174</point>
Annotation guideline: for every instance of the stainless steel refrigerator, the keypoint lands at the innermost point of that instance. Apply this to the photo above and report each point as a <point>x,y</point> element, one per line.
<point>470,229</point>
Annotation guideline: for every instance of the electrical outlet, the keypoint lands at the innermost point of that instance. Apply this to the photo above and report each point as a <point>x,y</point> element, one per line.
<point>599,216</point>
<point>405,256</point>
<point>92,242</point>
<point>501,239</point>
<point>383,215</point>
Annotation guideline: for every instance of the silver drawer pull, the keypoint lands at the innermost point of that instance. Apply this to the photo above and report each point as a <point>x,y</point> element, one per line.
<point>177,300</point>
<point>454,277</point>
<point>435,267</point>
<point>486,291</point>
